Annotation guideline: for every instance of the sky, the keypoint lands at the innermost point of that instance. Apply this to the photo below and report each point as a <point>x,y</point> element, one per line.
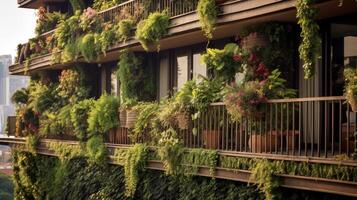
<point>17,25</point>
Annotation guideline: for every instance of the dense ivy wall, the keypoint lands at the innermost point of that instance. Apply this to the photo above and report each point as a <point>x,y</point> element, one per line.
<point>43,177</point>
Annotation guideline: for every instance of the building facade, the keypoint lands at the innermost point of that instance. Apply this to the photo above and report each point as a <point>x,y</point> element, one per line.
<point>266,80</point>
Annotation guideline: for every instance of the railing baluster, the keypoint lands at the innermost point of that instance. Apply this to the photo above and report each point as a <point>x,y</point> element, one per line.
<point>318,128</point>
<point>300,110</point>
<point>287,128</point>
<point>326,119</point>
<point>340,128</point>
<point>348,130</point>
<point>333,129</point>
<point>293,139</point>
<point>312,127</point>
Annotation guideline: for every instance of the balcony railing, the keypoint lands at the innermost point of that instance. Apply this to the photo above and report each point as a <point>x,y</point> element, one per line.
<point>307,127</point>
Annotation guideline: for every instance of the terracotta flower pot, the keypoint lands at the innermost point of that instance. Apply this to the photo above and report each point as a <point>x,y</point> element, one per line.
<point>257,143</point>
<point>131,117</point>
<point>211,138</point>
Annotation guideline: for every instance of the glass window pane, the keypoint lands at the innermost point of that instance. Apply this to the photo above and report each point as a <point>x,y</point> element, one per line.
<point>182,70</point>
<point>164,77</point>
<point>199,68</point>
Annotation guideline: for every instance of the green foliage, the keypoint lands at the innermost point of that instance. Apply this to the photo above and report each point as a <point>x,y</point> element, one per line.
<point>89,47</point>
<point>129,74</point>
<point>41,96</point>
<point>275,87</point>
<point>206,92</point>
<point>66,152</point>
<point>151,30</point>
<point>263,174</point>
<point>225,62</point>
<point>104,115</point>
<point>207,13</point>
<point>170,151</point>
<point>96,150</point>
<point>79,117</point>
<point>310,45</point>
<point>136,158</point>
<point>32,142</point>
<point>124,29</point>
<point>77,5</point>
<point>47,21</point>
<point>71,86</point>
<point>105,4</point>
<point>107,37</point>
<point>20,97</point>
<point>146,113</point>
<point>350,89</point>
<point>195,158</point>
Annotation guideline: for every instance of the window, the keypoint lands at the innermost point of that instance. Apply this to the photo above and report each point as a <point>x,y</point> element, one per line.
<point>182,71</point>
<point>164,77</point>
<point>199,68</point>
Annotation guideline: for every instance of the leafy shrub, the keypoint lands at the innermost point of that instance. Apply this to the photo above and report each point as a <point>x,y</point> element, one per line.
<point>107,37</point>
<point>152,29</point>
<point>207,13</point>
<point>104,115</point>
<point>124,29</point>
<point>71,86</point>
<point>79,117</point>
<point>90,47</point>
<point>96,150</point>
<point>21,96</point>
<point>146,113</point>
<point>225,62</point>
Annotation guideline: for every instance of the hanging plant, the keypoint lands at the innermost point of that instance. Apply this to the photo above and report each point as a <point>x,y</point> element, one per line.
<point>124,29</point>
<point>151,30</point>
<point>207,13</point>
<point>90,47</point>
<point>311,41</point>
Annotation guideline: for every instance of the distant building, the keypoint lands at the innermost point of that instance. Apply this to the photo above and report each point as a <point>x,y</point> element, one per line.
<point>8,85</point>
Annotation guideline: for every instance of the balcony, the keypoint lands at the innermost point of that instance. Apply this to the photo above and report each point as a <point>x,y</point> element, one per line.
<point>183,24</point>
<point>318,128</point>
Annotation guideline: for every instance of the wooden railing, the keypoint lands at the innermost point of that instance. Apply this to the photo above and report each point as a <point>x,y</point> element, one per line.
<point>11,126</point>
<point>174,8</point>
<point>307,127</point>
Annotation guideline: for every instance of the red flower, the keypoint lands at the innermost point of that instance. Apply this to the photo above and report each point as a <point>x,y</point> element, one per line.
<point>262,70</point>
<point>237,58</point>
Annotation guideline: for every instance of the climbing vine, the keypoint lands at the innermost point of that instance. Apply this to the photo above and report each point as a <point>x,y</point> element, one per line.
<point>311,41</point>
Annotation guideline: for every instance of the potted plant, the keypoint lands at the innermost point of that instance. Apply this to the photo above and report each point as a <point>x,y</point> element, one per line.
<point>351,87</point>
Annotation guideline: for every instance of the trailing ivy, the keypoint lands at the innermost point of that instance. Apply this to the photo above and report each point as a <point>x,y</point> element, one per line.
<point>207,13</point>
<point>151,30</point>
<point>263,174</point>
<point>96,150</point>
<point>136,158</point>
<point>310,44</point>
<point>79,118</point>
